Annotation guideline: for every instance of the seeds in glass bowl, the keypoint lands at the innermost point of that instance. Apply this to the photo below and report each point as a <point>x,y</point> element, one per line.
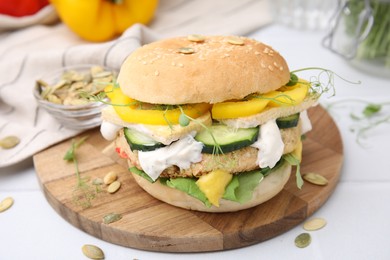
<point>73,86</point>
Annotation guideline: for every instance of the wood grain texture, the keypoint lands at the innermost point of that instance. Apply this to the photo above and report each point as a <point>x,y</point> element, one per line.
<point>152,225</point>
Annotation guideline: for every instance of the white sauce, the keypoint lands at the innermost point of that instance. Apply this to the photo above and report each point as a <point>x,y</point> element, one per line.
<point>180,153</point>
<point>305,122</point>
<point>109,130</point>
<point>270,145</point>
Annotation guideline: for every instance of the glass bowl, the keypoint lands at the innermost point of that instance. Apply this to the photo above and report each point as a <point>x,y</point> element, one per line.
<point>72,115</point>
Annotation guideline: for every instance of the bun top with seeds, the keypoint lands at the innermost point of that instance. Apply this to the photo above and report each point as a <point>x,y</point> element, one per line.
<point>197,69</point>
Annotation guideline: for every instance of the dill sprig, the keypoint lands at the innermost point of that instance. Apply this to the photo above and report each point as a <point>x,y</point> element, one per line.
<point>82,193</point>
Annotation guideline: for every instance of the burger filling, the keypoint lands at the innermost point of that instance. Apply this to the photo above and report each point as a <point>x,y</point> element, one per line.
<point>226,158</point>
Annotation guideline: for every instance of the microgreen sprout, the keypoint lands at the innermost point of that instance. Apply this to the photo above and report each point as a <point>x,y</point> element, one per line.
<point>370,116</point>
<point>83,193</point>
<point>323,82</point>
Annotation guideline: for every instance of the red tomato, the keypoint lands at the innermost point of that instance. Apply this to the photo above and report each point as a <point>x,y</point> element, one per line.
<point>19,8</point>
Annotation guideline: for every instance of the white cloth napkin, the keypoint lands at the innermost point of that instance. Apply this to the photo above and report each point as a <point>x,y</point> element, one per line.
<point>27,54</point>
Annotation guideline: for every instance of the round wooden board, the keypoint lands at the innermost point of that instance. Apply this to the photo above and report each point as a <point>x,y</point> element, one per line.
<point>149,224</point>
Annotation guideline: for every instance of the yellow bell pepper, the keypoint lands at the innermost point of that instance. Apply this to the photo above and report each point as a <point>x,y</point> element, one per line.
<point>101,20</point>
<point>129,110</point>
<point>289,96</point>
<point>233,109</point>
<point>285,96</point>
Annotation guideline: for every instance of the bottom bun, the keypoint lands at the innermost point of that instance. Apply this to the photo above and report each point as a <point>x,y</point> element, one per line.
<point>269,187</point>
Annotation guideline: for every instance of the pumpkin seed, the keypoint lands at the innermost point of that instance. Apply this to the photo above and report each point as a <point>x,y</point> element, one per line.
<point>92,252</point>
<point>315,178</point>
<point>314,224</point>
<point>114,187</point>
<point>9,142</point>
<point>302,240</point>
<point>235,41</point>
<point>112,217</point>
<point>195,38</point>
<point>110,178</point>
<point>97,181</point>
<point>6,204</point>
<point>73,86</point>
<point>186,50</point>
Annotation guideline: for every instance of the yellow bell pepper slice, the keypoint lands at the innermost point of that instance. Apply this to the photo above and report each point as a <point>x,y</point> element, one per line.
<point>289,96</point>
<point>231,109</point>
<point>129,110</point>
<point>285,96</point>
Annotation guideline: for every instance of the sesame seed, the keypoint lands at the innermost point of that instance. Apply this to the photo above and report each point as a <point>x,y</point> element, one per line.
<point>275,64</point>
<point>144,62</point>
<point>156,73</point>
<point>263,65</point>
<point>180,65</point>
<point>257,53</point>
<point>281,68</point>
<point>270,68</point>
<point>266,50</point>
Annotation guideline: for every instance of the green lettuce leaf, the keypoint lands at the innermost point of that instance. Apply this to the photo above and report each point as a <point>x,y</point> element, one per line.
<point>241,188</point>
<point>141,173</point>
<point>295,162</point>
<point>187,185</point>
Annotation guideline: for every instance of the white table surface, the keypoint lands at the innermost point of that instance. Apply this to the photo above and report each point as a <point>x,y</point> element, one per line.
<point>358,212</point>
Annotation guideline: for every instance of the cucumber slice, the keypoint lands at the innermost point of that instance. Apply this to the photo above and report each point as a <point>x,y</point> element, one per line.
<point>228,139</point>
<point>139,141</point>
<point>288,121</point>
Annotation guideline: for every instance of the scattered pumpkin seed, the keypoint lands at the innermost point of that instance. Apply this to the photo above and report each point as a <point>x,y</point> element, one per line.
<point>6,204</point>
<point>186,50</point>
<point>112,217</point>
<point>235,41</point>
<point>315,178</point>
<point>97,181</point>
<point>114,187</point>
<point>110,178</point>
<point>314,224</point>
<point>9,142</point>
<point>303,240</point>
<point>195,38</point>
<point>92,252</point>
<point>73,86</point>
